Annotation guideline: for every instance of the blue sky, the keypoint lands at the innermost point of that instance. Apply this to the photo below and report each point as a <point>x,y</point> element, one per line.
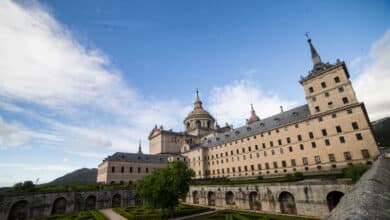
<point>83,79</point>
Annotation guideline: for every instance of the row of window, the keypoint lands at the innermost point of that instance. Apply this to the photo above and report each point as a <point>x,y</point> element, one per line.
<point>330,104</point>
<point>334,115</point>
<point>323,84</point>
<point>283,163</point>
<point>122,169</point>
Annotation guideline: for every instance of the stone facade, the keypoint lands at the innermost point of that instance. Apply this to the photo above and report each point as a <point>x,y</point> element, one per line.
<point>15,206</point>
<point>310,198</point>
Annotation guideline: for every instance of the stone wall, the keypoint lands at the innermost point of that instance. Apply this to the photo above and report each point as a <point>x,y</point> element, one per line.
<point>369,198</point>
<point>28,205</point>
<point>310,197</point>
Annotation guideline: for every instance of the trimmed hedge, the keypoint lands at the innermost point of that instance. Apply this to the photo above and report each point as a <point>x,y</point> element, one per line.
<point>83,215</point>
<point>242,215</point>
<point>144,213</point>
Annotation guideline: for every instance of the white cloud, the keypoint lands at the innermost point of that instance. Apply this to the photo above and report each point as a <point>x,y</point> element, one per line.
<point>73,88</point>
<point>41,167</point>
<point>231,103</point>
<point>88,154</point>
<point>372,84</point>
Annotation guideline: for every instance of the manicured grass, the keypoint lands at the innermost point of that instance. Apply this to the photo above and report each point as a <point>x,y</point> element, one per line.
<point>288,178</point>
<point>145,213</point>
<point>241,215</point>
<point>84,215</point>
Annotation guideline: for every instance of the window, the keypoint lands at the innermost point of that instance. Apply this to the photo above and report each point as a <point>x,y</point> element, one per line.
<point>113,169</point>
<point>355,125</point>
<point>266,166</point>
<point>320,119</point>
<point>323,84</point>
<point>359,136</point>
<point>324,132</point>
<point>326,94</point>
<point>334,115</point>
<point>327,142</point>
<point>256,147</point>
<point>313,144</point>
<point>365,154</point>
<point>275,164</point>
<point>131,169</point>
<point>122,169</point>
<point>249,148</point>
<point>243,150</point>
<point>347,155</point>
<point>311,136</point>
<point>257,154</point>
<point>265,153</point>
<point>233,169</point>
<point>238,151</point>
<point>330,104</point>
<point>288,140</point>
<point>338,129</point>
<point>147,170</point>
<point>252,167</point>
<point>332,158</point>
<point>301,147</point>
<point>281,151</point>
<point>239,169</point>
<point>311,90</point>
<point>246,168</point>
<point>313,98</point>
<point>336,79</point>
<point>293,163</point>
<point>280,142</point>
<point>296,126</point>
<point>349,111</point>
<point>317,159</point>
<point>290,149</point>
<point>317,108</point>
<point>271,144</point>
<point>341,89</point>
<point>272,152</point>
<point>345,100</point>
<point>231,152</point>
<point>259,166</point>
<point>263,145</point>
<point>299,137</point>
<point>342,139</point>
<point>139,169</point>
<point>304,161</point>
<point>284,164</point>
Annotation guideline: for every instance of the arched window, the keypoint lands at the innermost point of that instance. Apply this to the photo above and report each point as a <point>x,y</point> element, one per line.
<point>198,124</point>
<point>287,203</point>
<point>229,198</point>
<point>333,198</point>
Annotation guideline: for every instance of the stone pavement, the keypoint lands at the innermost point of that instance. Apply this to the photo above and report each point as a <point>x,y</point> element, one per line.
<point>112,215</point>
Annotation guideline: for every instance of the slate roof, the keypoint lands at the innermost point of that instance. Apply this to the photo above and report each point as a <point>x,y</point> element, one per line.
<point>138,157</point>
<point>279,120</point>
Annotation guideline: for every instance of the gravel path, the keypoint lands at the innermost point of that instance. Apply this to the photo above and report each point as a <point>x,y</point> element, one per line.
<point>112,215</point>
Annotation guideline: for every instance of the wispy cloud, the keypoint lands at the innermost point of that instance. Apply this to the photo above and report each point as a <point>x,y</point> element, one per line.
<point>372,83</point>
<point>231,103</point>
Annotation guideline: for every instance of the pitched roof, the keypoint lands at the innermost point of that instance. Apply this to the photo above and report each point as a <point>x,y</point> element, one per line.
<point>138,157</point>
<point>278,120</point>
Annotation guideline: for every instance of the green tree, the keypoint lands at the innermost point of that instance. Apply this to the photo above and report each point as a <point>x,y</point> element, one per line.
<point>164,187</point>
<point>355,171</point>
<point>25,186</point>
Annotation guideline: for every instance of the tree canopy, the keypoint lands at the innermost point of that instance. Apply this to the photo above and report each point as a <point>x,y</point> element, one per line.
<point>164,187</point>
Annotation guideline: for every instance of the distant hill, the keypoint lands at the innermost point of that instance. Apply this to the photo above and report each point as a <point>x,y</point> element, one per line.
<point>80,176</point>
<point>381,129</point>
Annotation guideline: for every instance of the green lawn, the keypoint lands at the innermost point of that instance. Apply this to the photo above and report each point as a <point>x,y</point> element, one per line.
<point>84,215</point>
<point>146,213</point>
<point>242,215</point>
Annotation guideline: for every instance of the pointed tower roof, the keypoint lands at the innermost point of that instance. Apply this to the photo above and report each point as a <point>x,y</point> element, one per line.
<point>198,111</point>
<point>139,147</point>
<point>253,117</point>
<point>318,65</point>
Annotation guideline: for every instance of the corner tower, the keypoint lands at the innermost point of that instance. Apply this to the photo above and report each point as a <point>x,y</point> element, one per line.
<point>327,86</point>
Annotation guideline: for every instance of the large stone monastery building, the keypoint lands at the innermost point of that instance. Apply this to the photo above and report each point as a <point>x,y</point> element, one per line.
<point>329,132</point>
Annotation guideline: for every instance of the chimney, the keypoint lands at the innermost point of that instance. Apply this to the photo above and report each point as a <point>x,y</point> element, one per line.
<point>281,109</point>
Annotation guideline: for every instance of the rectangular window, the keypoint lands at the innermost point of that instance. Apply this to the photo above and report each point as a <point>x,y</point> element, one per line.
<point>342,139</point>
<point>113,169</point>
<point>265,153</point>
<point>336,79</point>
<point>252,167</point>
<point>301,147</point>
<point>320,119</point>
<point>345,100</point>
<point>243,150</point>
<point>311,136</point>
<point>231,152</point>
<point>280,142</point>
<point>332,158</point>
<point>355,125</point>
<point>275,164</point>
<point>284,164</point>
<point>293,163</point>
<point>304,161</point>
<point>272,152</point>
<point>238,151</point>
<point>249,148</point>
<point>299,137</point>
<point>256,147</point>
<point>317,108</point>
<point>290,149</point>
<point>317,159</point>
<point>233,169</point>
<point>365,154</point>
<point>327,142</point>
<point>323,84</point>
<point>281,151</point>
<point>313,98</point>
<point>311,90</point>
<point>347,155</point>
<point>131,169</point>
<point>296,126</point>
<point>246,168</point>
<point>228,170</point>
<point>349,111</point>
<point>139,169</point>
<point>324,132</point>
<point>326,94</point>
<point>263,145</point>
<point>288,140</point>
<point>313,144</point>
<point>359,136</point>
<point>266,166</point>
<point>259,166</point>
<point>122,169</point>
<point>147,170</point>
<point>239,169</point>
<point>341,89</point>
<point>271,144</point>
<point>338,129</point>
<point>334,115</point>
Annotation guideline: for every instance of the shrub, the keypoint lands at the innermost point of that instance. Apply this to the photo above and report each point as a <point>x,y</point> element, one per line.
<point>298,175</point>
<point>355,171</point>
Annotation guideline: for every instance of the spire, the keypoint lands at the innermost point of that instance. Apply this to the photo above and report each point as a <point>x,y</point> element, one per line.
<point>314,54</point>
<point>197,103</point>
<point>139,147</point>
<point>253,117</point>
